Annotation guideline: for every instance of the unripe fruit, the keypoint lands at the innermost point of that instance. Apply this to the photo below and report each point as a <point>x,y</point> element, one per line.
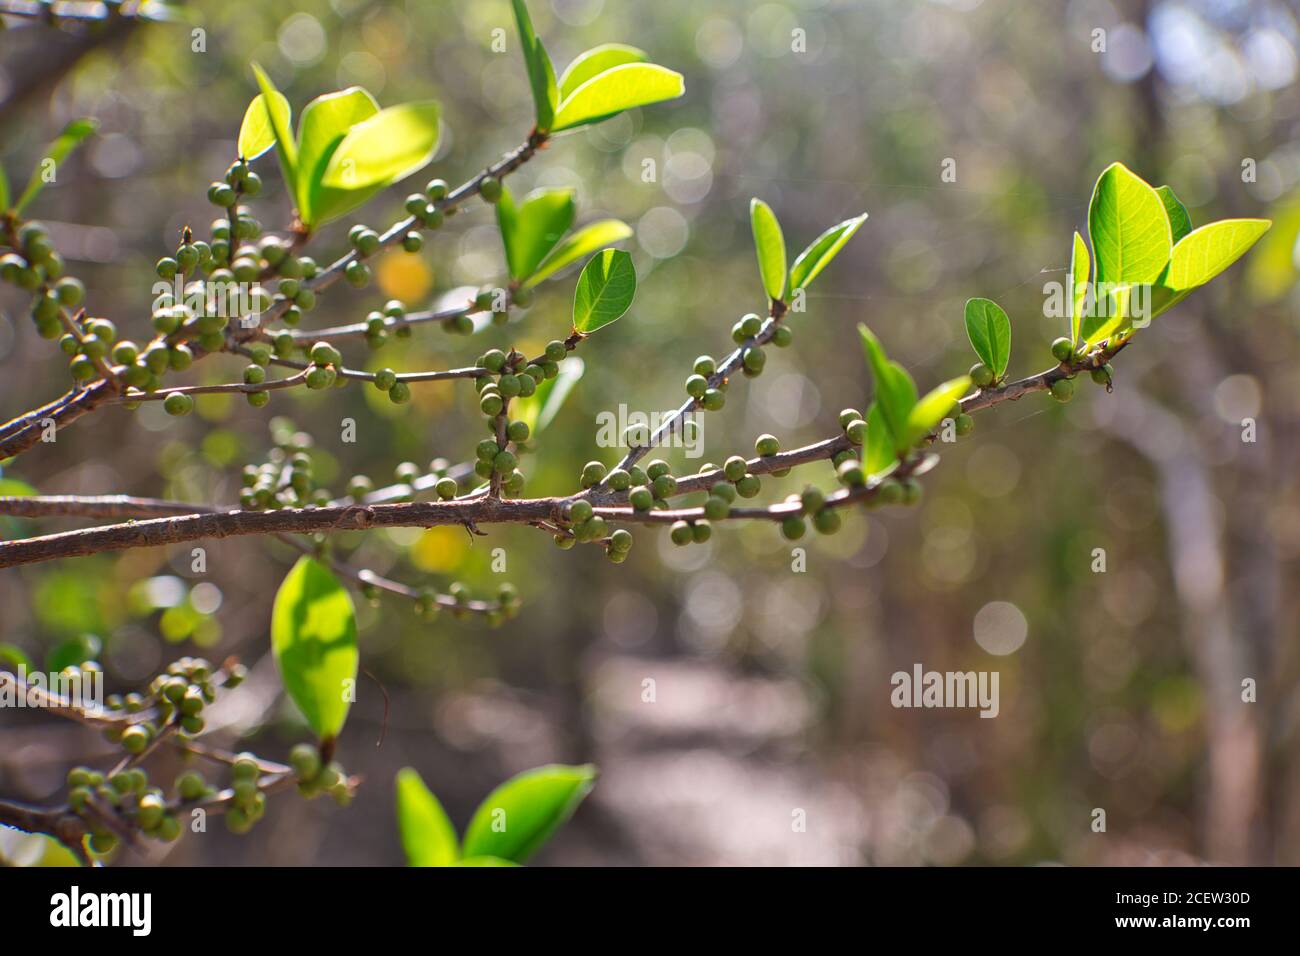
<point>793,527</point>
<point>1062,350</point>
<point>400,393</point>
<point>749,486</point>
<point>258,399</point>
<point>509,385</point>
<point>446,488</point>
<point>856,432</point>
<point>713,400</point>
<point>305,760</point>
<point>981,375</point>
<point>704,365</point>
<point>1103,375</point>
<point>696,386</point>
<point>385,379</point>
<point>621,541</point>
<point>178,403</point>
<point>734,468</point>
<point>751,325</point>
<point>911,492</point>
<point>826,521</point>
<point>592,473</point>
<point>489,188</point>
<point>964,424</point>
<point>357,273</point>
<point>70,292</point>
<point>556,351</point>
<point>522,297</point>
<point>491,404</point>
<point>782,336</point>
<point>125,353</point>
<point>890,492</point>
<point>681,533</point>
<point>812,500</point>
<point>579,511</point>
<point>322,353</point>
<point>1062,390</point>
<point>641,498</point>
<point>618,480</point>
<point>767,445</point>
<point>413,242</point>
<point>850,473</point>
<point>754,360</point>
<point>701,531</point>
<point>436,189</point>
<point>135,739</point>
<point>716,508</point>
<point>190,785</point>
<point>664,486</point>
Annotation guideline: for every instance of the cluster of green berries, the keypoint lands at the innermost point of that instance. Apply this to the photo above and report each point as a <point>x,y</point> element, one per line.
<point>286,478</point>
<point>812,506</point>
<point>315,776</point>
<point>181,692</point>
<point>125,794</point>
<point>580,524</point>
<point>378,323</point>
<point>247,801</point>
<point>711,397</point>
<point>690,532</point>
<point>35,267</point>
<point>239,180</point>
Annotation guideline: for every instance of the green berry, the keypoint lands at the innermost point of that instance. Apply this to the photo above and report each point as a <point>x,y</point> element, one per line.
<point>618,480</point>
<point>178,403</point>
<point>1103,375</point>
<point>749,486</point>
<point>70,292</point>
<point>579,511</point>
<point>826,521</point>
<point>696,386</point>
<point>663,487</point>
<point>734,468</point>
<point>701,531</point>
<point>357,273</point>
<point>812,500</point>
<point>704,366</point>
<point>556,351</point>
<point>641,498</point>
<point>766,446</point>
<point>981,375</point>
<point>713,400</point>
<point>793,527</point>
<point>437,189</point>
<point>1062,350</point>
<point>964,425</point>
<point>856,432</point>
<point>517,432</point>
<point>446,488</point>
<point>592,474</point>
<point>400,393</point>
<point>385,379</point>
<point>412,242</point>
<point>680,533</point>
<point>305,760</point>
<point>716,508</point>
<point>489,188</point>
<point>850,473</point>
<point>1062,390</point>
<point>782,336</point>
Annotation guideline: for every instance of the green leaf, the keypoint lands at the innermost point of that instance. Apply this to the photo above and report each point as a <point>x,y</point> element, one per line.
<point>57,151</point>
<point>484,861</point>
<point>989,331</point>
<point>4,191</point>
<point>13,655</point>
<point>531,229</point>
<point>285,148</point>
<point>585,241</point>
<point>521,814</point>
<point>540,408</point>
<point>1180,224</point>
<point>895,390</point>
<point>1203,253</point>
<point>1109,314</point>
<point>256,133</point>
<point>1080,275</point>
<point>934,407</point>
<point>388,146</point>
<point>314,637</point>
<point>821,251</point>
<point>325,121</point>
<point>605,290</point>
<point>878,455</point>
<point>1131,237</point>
<point>428,837</point>
<point>621,88</point>
<point>770,245</point>
<point>541,74</point>
<point>596,61</point>
<point>13,488</point>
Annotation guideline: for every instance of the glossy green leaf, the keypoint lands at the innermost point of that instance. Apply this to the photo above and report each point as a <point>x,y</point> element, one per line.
<point>314,637</point>
<point>4,191</point>
<point>989,331</point>
<point>605,290</point>
<point>531,229</point>
<point>769,243</point>
<point>428,836</point>
<point>541,73</point>
<point>821,251</point>
<point>1130,232</point>
<point>895,390</point>
<point>325,121</point>
<point>72,136</point>
<point>1080,276</point>
<point>585,241</point>
<point>878,455</point>
<point>285,147</point>
<point>1109,315</point>
<point>1180,224</point>
<point>596,61</point>
<point>387,147</point>
<point>1203,253</point>
<point>521,814</point>
<point>540,408</point>
<point>621,88</point>
<point>934,407</point>
<point>256,133</point>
